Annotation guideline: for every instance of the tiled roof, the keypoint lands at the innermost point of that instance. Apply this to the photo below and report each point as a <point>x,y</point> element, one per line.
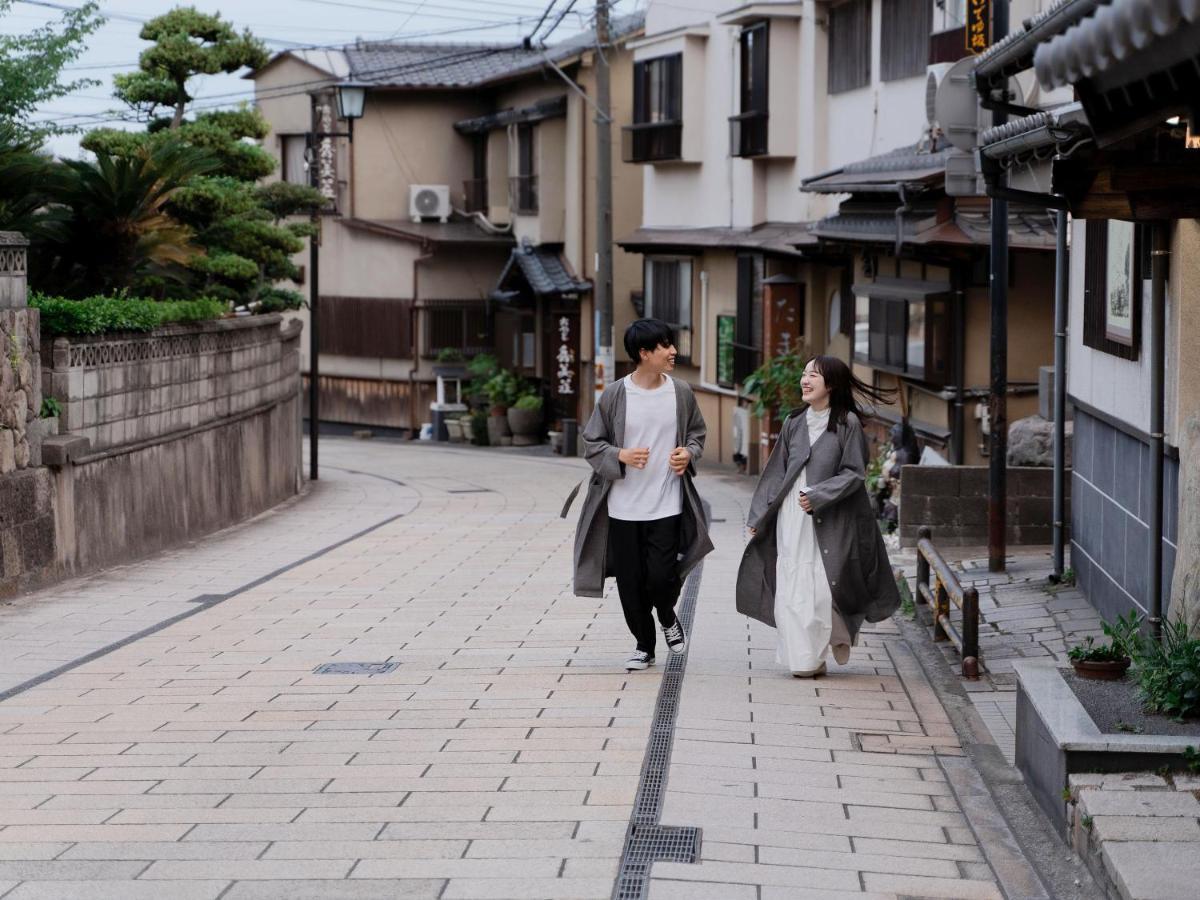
<point>779,237</point>
<point>1108,39</point>
<point>905,165</point>
<point>456,231</point>
<point>1014,53</point>
<point>544,269</point>
<point>464,65</point>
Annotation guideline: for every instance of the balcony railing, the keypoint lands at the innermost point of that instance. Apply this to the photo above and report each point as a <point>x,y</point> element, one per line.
<point>523,193</point>
<point>748,134</point>
<point>475,195</point>
<point>652,142</point>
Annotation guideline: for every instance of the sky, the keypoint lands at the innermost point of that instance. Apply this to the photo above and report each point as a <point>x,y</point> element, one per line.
<point>281,24</point>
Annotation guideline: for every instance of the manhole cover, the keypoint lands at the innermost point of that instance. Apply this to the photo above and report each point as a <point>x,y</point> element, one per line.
<point>356,668</point>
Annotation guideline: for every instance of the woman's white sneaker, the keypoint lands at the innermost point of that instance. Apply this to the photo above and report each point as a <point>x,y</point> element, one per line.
<point>676,639</point>
<point>639,660</point>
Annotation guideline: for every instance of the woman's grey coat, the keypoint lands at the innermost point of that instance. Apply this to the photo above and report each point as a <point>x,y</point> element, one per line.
<point>856,561</point>
<point>603,439</point>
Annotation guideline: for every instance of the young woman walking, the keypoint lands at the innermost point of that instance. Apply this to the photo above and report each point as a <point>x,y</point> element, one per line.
<point>816,566</point>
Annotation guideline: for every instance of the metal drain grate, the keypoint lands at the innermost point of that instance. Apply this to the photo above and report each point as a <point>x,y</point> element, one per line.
<point>646,841</point>
<point>355,668</point>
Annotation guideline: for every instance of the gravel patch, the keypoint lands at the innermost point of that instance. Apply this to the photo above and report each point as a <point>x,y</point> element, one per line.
<point>1113,703</point>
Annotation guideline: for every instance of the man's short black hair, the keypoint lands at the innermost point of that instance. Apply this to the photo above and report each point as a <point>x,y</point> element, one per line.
<point>648,335</point>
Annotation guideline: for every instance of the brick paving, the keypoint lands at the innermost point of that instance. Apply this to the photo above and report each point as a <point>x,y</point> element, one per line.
<point>1022,616</point>
<point>499,759</point>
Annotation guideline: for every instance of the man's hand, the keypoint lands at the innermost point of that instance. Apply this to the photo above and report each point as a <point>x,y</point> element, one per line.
<point>680,457</point>
<point>753,531</point>
<point>805,503</point>
<point>635,456</point>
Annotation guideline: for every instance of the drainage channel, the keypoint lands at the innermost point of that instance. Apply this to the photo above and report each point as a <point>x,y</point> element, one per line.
<point>646,841</point>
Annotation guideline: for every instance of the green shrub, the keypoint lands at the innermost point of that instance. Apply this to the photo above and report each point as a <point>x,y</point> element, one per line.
<point>449,355</point>
<point>50,408</point>
<point>99,315</point>
<point>1168,671</point>
<point>531,402</point>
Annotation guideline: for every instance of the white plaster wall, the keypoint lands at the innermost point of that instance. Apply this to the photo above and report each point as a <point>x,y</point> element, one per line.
<point>1116,386</point>
<point>829,131</point>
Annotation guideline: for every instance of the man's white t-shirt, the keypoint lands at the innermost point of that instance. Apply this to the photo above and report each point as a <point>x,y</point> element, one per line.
<point>654,492</point>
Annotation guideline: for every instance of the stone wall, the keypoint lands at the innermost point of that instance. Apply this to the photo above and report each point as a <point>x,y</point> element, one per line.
<point>953,501</point>
<point>26,491</point>
<point>171,435</point>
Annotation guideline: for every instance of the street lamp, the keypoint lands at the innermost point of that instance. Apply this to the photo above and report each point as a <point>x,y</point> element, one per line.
<point>351,98</point>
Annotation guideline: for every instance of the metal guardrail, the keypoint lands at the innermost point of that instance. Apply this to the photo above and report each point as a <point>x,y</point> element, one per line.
<point>939,594</point>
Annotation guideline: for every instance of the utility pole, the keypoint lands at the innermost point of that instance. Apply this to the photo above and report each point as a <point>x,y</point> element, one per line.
<point>998,413</point>
<point>314,346</point>
<point>602,295</point>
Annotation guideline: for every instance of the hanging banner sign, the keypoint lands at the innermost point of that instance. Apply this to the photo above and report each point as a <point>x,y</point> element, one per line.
<point>979,25</point>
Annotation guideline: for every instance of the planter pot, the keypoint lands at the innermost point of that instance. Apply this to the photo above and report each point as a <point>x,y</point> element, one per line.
<point>556,441</point>
<point>454,428</point>
<point>1108,670</point>
<point>526,425</point>
<point>498,431</point>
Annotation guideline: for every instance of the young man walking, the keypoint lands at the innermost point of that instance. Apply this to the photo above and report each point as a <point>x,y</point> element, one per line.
<point>643,521</point>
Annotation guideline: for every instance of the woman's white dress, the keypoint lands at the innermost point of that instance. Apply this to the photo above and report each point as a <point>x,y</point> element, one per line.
<point>804,615</point>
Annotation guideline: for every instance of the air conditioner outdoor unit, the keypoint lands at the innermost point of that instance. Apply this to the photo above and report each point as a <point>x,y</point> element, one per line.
<point>429,201</point>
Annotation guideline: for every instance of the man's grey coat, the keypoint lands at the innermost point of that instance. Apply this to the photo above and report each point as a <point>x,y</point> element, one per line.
<point>856,561</point>
<point>603,439</point>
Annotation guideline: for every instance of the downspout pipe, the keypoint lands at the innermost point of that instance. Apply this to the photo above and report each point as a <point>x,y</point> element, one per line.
<point>1062,276</point>
<point>1159,257</point>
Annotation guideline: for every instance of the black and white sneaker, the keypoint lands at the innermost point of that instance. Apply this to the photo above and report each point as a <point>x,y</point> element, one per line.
<point>640,659</point>
<point>676,639</point>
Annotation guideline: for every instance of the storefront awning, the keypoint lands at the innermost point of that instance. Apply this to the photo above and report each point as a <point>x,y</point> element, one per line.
<point>903,289</point>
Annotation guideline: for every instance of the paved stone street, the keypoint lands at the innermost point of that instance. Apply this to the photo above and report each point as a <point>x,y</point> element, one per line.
<point>163,732</point>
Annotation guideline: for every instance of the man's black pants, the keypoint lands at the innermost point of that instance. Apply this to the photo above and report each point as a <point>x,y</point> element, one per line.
<point>645,560</point>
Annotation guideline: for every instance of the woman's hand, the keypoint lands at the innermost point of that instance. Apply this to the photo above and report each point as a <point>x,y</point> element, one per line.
<point>805,503</point>
<point>637,457</point>
<point>753,530</point>
<point>679,460</point>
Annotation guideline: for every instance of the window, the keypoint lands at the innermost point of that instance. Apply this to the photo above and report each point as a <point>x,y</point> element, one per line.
<point>370,327</point>
<point>668,296</point>
<point>748,129</point>
<point>849,46</point>
<point>657,129</point>
<point>456,326</point>
<point>293,151</point>
<point>906,28</point>
<point>1114,267</point>
<point>523,195</point>
<point>475,192</point>
<point>905,335</point>
<point>747,345</point>
<point>726,351</point>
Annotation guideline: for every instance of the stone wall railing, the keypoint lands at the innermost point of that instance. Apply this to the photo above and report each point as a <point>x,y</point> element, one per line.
<point>171,435</point>
<point>128,389</point>
<point>953,501</point>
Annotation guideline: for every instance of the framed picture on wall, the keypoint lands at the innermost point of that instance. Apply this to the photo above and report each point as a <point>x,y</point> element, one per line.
<point>1122,282</point>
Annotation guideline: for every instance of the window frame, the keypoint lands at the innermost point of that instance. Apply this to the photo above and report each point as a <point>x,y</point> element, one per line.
<point>750,135</point>
<point>284,171</point>
<point>684,330</point>
<point>841,78</point>
<point>465,309</point>
<point>906,31</point>
<point>656,133</point>
<point>889,338</point>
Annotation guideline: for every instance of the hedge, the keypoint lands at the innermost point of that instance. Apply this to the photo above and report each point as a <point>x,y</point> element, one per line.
<point>98,315</point>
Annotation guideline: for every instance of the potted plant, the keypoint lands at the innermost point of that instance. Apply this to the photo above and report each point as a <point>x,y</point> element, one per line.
<point>482,368</point>
<point>1108,662</point>
<point>502,391</point>
<point>525,420</point>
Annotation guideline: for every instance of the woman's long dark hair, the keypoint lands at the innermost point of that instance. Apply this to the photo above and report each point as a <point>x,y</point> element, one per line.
<point>847,393</point>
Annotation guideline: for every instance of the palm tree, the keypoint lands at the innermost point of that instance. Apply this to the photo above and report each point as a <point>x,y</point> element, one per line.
<point>27,188</point>
<point>118,229</point>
